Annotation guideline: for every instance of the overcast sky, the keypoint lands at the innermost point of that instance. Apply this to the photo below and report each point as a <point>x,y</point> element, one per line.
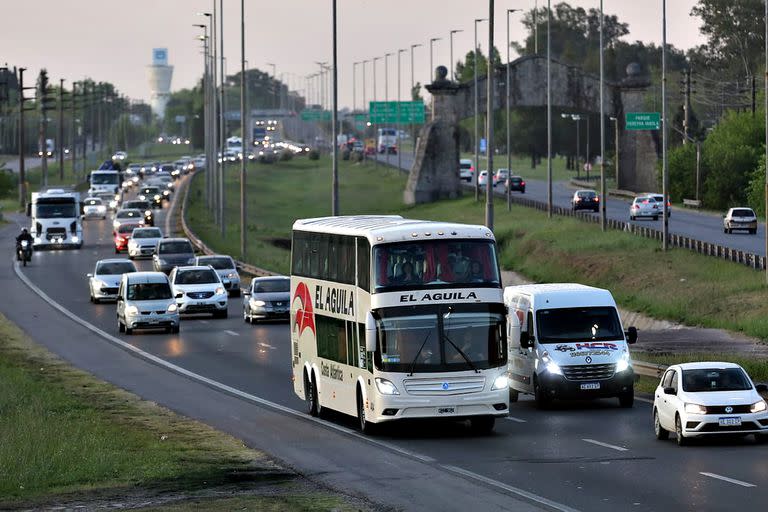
<point>111,40</point>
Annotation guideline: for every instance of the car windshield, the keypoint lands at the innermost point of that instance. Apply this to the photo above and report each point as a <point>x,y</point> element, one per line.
<point>125,229</point>
<point>197,276</point>
<point>578,324</point>
<point>149,291</point>
<point>218,262</point>
<point>413,265</point>
<point>181,247</point>
<point>586,194</point>
<point>743,212</point>
<point>715,379</point>
<point>114,267</point>
<point>441,338</point>
<point>147,233</point>
<point>272,286</point>
<point>128,214</point>
<point>55,210</point>
<point>93,201</point>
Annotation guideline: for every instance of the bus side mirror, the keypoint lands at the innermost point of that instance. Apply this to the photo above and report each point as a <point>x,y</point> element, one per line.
<point>526,340</point>
<point>370,333</point>
<point>631,335</point>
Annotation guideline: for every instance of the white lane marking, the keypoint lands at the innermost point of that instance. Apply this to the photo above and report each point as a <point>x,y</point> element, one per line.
<point>516,420</point>
<point>606,445</point>
<point>726,479</point>
<point>510,489</point>
<point>204,321</point>
<point>262,344</point>
<point>231,333</point>
<point>642,399</point>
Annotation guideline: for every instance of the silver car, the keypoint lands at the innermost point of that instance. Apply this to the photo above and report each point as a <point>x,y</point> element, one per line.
<point>199,289</point>
<point>740,218</point>
<point>145,301</point>
<point>94,208</point>
<point>105,279</point>
<point>127,216</point>
<point>644,206</point>
<point>227,270</point>
<point>143,242</point>
<point>267,297</point>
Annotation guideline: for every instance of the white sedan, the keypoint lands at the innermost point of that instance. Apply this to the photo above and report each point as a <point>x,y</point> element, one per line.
<point>708,398</point>
<point>105,279</point>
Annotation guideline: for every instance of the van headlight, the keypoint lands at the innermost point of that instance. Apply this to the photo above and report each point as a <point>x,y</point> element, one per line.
<point>501,382</point>
<point>172,308</point>
<point>131,310</point>
<point>695,409</point>
<point>385,387</point>
<point>553,368</point>
<point>622,365</point>
<point>758,406</point>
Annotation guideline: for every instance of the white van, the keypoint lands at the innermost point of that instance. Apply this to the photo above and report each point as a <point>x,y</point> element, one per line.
<point>566,341</point>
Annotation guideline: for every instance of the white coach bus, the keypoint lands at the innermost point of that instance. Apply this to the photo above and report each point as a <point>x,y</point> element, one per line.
<point>394,318</point>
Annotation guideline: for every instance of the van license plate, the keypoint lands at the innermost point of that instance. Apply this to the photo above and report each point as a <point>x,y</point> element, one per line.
<point>444,411</point>
<point>590,385</point>
<point>730,422</point>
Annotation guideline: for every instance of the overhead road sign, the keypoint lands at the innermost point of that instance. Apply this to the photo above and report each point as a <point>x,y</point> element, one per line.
<point>394,112</point>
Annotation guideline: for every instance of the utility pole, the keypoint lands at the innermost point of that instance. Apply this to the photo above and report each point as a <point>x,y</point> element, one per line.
<point>602,128</point>
<point>244,159</point>
<point>399,87</point>
<point>354,86</point>
<point>60,141</point>
<point>477,119</point>
<point>22,170</point>
<point>549,109</point>
<point>665,127</point>
<point>335,122</point>
<point>386,94</point>
<point>765,39</point>
<point>617,155</point>
<point>432,71</point>
<point>73,137</point>
<point>87,105</point>
<point>686,104</point>
<point>223,121</point>
<point>453,64</point>
<point>509,124</point>
<point>489,119</point>
<point>42,97</point>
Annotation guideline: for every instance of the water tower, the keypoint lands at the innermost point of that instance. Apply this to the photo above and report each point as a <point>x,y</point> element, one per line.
<point>159,74</point>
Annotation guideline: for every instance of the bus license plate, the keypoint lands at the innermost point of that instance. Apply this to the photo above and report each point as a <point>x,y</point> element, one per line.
<point>446,411</point>
<point>590,385</point>
<point>730,422</point>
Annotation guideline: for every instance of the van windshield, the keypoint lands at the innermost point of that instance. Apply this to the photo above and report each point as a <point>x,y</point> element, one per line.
<point>149,291</point>
<point>578,324</point>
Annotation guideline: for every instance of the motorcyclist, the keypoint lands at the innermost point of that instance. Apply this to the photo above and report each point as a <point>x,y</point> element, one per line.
<point>24,235</point>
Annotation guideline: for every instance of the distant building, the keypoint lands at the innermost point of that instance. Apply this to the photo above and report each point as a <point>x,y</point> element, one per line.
<point>159,74</point>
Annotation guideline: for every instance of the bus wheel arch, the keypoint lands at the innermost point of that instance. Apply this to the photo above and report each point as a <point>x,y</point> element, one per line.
<point>365,426</point>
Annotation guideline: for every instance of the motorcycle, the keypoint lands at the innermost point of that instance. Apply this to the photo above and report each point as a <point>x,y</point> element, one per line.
<point>24,252</point>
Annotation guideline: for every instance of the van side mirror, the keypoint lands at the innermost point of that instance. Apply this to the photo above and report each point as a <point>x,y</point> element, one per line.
<point>119,298</point>
<point>670,391</point>
<point>631,334</point>
<point>526,340</point>
<point>761,388</point>
<point>370,333</point>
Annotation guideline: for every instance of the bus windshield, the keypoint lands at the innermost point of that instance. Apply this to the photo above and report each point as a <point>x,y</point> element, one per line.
<point>425,264</point>
<point>441,338</point>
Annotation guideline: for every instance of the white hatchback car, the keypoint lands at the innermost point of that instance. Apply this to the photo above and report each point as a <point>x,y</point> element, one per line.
<point>143,242</point>
<point>105,279</point>
<point>708,398</point>
<point>740,218</point>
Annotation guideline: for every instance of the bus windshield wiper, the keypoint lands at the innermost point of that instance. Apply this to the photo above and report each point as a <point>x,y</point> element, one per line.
<point>467,359</point>
<point>413,363</point>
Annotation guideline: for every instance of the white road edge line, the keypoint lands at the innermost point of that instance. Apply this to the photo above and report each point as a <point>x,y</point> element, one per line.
<point>606,445</point>
<point>231,333</point>
<point>510,489</point>
<point>516,420</point>
<point>726,479</point>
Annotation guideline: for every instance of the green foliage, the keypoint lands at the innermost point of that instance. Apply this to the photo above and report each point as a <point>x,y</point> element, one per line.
<point>682,172</point>
<point>313,155</point>
<point>756,189</point>
<point>465,71</point>
<point>8,184</point>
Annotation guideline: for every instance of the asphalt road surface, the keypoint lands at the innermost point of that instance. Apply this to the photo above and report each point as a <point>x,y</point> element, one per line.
<point>580,456</point>
<point>702,226</point>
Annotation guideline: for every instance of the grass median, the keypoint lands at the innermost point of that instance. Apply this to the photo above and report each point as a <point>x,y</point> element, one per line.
<point>70,438</point>
<point>678,285</point>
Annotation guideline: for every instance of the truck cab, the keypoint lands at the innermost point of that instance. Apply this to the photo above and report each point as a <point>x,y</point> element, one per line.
<point>567,342</point>
<point>56,220</point>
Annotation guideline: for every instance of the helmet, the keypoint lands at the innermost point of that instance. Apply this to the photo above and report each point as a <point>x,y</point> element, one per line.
<point>24,231</point>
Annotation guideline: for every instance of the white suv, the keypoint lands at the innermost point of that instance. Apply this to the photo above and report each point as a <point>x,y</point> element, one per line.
<point>198,289</point>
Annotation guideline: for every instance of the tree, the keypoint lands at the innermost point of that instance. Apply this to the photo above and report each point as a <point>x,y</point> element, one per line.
<point>465,71</point>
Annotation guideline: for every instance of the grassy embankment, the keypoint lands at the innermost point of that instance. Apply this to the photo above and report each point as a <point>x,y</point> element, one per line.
<point>70,438</point>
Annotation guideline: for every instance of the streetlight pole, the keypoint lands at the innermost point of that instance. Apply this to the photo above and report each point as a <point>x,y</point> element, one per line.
<point>354,86</point>
<point>615,121</point>
<point>766,143</point>
<point>386,94</point>
<point>477,119</point>
<point>274,84</point>
<point>223,121</point>
<point>489,120</point>
<point>399,152</point>
<point>334,117</point>
<point>602,128</point>
<point>376,154</point>
<point>365,103</point>
<point>453,65</point>
<point>61,129</point>
<point>22,170</point>
<point>549,109</point>
<point>665,127</point>
<point>509,134</point>
<point>244,159</point>
<point>413,84</point>
<point>432,70</point>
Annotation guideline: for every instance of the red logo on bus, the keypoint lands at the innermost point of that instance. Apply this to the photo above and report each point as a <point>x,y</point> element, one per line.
<point>305,316</point>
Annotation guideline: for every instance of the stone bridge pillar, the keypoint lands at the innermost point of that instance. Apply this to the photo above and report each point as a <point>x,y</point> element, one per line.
<point>435,171</point>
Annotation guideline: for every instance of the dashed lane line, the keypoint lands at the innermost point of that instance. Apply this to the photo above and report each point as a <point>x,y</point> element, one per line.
<point>726,479</point>
<point>606,445</point>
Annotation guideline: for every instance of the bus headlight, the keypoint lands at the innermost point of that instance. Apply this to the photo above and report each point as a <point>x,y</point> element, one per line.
<point>385,387</point>
<point>501,382</point>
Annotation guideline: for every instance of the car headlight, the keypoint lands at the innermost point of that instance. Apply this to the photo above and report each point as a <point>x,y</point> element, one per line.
<point>220,290</point>
<point>258,303</point>
<point>157,197</point>
<point>172,308</point>
<point>142,197</point>
<point>695,409</point>
<point>553,368</point>
<point>148,213</point>
<point>99,283</point>
<point>385,387</point>
<point>166,192</point>
<point>758,406</point>
<point>232,275</point>
<point>117,197</point>
<point>131,310</point>
<point>501,382</point>
<point>113,204</point>
<point>622,365</point>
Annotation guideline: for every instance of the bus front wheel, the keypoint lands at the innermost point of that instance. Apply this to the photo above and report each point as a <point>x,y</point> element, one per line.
<point>366,427</point>
<point>310,395</point>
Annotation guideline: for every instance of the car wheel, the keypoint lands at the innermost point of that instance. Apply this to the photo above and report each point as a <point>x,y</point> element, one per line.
<point>681,439</point>
<point>514,395</point>
<point>627,399</point>
<point>221,314</point>
<point>761,438</point>
<point>128,330</point>
<point>522,191</point>
<point>96,300</point>
<point>725,230</point>
<point>117,251</point>
<point>596,210</point>
<point>236,292</point>
<point>661,433</point>
<point>120,326</point>
<point>540,395</point>
<point>245,316</point>
<point>482,425</point>
<point>366,427</point>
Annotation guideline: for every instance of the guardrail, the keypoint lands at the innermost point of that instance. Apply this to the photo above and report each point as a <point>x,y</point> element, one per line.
<point>648,369</point>
<point>201,246</point>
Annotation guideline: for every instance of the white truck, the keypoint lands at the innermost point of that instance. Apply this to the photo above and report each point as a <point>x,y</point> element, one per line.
<point>387,140</point>
<point>55,218</point>
<point>566,341</point>
<point>102,182</point>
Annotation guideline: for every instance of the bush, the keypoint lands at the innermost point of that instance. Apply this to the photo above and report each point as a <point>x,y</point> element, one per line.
<point>314,154</point>
<point>345,154</point>
<point>356,156</point>
<point>286,155</point>
<point>8,183</point>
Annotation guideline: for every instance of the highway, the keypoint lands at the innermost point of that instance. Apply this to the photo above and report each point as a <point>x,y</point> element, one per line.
<point>698,225</point>
<point>590,456</point>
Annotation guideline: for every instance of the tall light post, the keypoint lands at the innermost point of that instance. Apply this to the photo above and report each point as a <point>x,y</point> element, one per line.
<point>602,128</point>
<point>413,84</point>
<point>549,108</point>
<point>477,118</point>
<point>274,83</point>
<point>616,154</point>
<point>453,64</point>
<point>365,103</point>
<point>334,121</point>
<point>206,112</point>
<point>399,152</point>
<point>766,142</point>
<point>665,127</point>
<point>244,159</point>
<point>432,71</point>
<point>576,118</point>
<point>223,121</point>
<point>509,124</point>
<point>376,154</point>
<point>354,86</point>
<point>386,93</point>
<point>489,120</point>
<point>211,158</point>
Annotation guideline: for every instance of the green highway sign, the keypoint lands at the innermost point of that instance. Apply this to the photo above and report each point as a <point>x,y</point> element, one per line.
<point>315,115</point>
<point>361,120</point>
<point>393,112</point>
<point>643,121</point>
